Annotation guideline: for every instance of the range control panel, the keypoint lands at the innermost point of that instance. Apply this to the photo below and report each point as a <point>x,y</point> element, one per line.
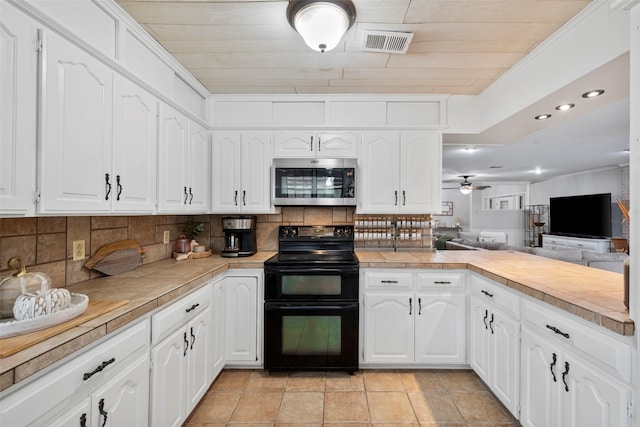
<point>333,232</point>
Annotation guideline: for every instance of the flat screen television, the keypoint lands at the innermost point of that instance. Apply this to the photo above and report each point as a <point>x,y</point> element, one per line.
<point>581,216</point>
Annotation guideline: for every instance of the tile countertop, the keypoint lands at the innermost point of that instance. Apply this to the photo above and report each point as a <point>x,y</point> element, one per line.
<point>595,295</point>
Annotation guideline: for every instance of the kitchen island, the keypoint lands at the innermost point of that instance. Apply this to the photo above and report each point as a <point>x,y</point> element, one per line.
<point>594,295</point>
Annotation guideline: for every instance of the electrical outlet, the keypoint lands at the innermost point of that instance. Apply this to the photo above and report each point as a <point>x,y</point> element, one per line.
<point>78,250</point>
<point>165,238</point>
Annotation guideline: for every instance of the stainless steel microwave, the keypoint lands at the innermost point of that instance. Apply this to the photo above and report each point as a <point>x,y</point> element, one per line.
<point>314,182</point>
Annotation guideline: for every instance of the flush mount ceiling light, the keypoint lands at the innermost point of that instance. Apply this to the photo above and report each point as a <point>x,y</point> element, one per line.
<point>321,23</point>
<point>565,107</point>
<point>542,117</point>
<point>593,93</point>
<point>465,188</point>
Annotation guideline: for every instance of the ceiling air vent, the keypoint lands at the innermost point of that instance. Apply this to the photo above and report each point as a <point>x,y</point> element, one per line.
<point>386,41</point>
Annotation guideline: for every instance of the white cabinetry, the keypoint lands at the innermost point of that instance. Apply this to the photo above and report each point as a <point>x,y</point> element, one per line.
<point>494,339</point>
<point>550,241</point>
<point>572,374</point>
<point>181,361</point>
<point>242,329</point>
<point>18,112</point>
<point>111,379</point>
<point>414,317</point>
<point>184,164</point>
<point>331,145</point>
<point>412,165</point>
<point>217,360</point>
<point>241,163</point>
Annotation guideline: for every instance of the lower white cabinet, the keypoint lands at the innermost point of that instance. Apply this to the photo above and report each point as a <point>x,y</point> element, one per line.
<point>105,385</point>
<point>241,317</point>
<point>181,361</point>
<point>560,389</point>
<point>217,359</point>
<point>494,344</point>
<point>414,318</point>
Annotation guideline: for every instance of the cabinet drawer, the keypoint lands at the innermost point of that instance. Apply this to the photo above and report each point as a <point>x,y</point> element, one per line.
<point>388,279</point>
<point>496,294</point>
<point>440,281</point>
<point>179,313</point>
<point>588,341</point>
<point>32,401</point>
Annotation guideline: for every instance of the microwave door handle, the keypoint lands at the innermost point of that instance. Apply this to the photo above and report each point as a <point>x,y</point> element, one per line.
<point>297,307</point>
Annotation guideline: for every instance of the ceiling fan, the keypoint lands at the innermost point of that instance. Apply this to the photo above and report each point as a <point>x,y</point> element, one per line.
<point>466,186</point>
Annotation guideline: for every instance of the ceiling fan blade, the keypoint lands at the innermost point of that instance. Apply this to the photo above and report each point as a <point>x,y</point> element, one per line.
<point>480,187</point>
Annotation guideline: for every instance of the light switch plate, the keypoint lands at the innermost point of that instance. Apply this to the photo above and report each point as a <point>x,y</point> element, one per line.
<point>165,237</point>
<point>78,250</point>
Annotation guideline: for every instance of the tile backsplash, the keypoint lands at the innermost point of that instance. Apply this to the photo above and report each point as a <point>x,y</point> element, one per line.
<point>45,243</point>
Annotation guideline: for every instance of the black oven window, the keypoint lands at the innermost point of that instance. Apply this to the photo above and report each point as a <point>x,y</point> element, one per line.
<point>311,285</point>
<point>311,335</point>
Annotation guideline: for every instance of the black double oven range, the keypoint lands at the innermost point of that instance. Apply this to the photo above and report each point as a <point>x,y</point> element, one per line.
<point>311,300</point>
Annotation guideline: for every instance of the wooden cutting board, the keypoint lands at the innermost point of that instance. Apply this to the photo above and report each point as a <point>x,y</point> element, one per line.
<point>12,345</point>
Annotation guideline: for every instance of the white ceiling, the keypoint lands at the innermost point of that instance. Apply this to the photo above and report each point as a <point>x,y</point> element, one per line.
<point>459,47</point>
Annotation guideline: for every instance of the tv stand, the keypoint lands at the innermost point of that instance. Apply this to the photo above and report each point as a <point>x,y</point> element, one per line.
<point>550,241</point>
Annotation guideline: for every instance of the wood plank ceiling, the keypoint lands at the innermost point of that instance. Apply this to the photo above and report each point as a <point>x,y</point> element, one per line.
<point>248,47</point>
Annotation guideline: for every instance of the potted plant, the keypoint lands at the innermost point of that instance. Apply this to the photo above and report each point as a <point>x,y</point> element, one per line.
<point>191,229</point>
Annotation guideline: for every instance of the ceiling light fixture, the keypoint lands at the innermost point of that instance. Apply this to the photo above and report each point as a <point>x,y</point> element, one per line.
<point>542,117</point>
<point>465,188</point>
<point>321,23</point>
<point>565,107</point>
<point>593,93</point>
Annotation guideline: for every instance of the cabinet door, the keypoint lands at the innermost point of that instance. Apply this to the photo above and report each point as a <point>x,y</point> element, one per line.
<point>241,335</point>
<point>593,399</point>
<point>335,145</point>
<point>379,180</point>
<point>172,175</point>
<point>124,400</point>
<point>168,385</point>
<point>255,170</point>
<point>226,172</point>
<point>389,328</point>
<point>420,172</point>
<point>479,338</point>
<point>76,119</point>
<point>440,324</point>
<point>198,181</point>
<point>78,415</point>
<point>540,373</point>
<point>198,378</point>
<point>135,142</point>
<point>505,359</point>
<point>18,83</point>
<point>294,144</point>
<point>218,328</point>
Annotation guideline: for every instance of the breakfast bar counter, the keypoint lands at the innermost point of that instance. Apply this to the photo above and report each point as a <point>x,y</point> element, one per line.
<point>592,294</point>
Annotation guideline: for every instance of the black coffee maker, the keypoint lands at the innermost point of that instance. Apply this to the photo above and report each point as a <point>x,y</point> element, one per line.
<point>239,235</point>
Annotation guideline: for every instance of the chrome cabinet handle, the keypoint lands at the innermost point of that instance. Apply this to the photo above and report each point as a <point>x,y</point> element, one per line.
<point>107,186</point>
<point>552,365</point>
<point>103,413</point>
<point>410,306</point>
<point>186,344</point>
<point>484,320</point>
<point>119,187</point>
<point>564,375</point>
<point>100,368</point>
<point>396,196</point>
<point>235,197</point>
<point>186,196</point>
<point>491,323</point>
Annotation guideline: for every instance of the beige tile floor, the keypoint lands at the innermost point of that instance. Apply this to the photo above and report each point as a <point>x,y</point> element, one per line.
<point>375,398</point>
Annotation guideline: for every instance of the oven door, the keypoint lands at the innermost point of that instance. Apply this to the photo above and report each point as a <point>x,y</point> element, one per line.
<point>311,283</point>
<point>311,336</point>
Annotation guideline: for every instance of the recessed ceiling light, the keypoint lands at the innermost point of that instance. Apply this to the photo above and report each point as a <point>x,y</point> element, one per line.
<point>565,107</point>
<point>542,116</point>
<point>593,93</point>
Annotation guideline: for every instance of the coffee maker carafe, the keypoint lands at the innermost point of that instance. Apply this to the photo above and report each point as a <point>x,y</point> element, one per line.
<point>239,236</point>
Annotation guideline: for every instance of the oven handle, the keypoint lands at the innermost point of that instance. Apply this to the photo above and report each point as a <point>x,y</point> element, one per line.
<point>302,306</point>
<point>311,270</point>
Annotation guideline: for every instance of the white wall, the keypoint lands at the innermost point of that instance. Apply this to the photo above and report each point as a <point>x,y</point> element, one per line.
<point>607,180</point>
<point>460,209</point>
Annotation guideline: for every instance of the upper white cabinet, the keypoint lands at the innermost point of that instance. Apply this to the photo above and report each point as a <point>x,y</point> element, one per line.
<point>331,145</point>
<point>99,136</point>
<point>241,172</point>
<point>184,164</point>
<point>400,172</point>
<point>76,125</point>
<point>18,112</point>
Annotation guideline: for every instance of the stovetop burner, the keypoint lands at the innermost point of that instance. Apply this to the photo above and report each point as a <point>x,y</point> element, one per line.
<point>301,258</point>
